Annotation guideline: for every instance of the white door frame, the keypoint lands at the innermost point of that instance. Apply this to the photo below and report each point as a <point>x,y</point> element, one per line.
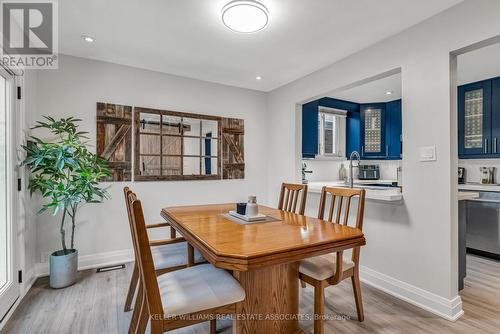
<point>10,292</point>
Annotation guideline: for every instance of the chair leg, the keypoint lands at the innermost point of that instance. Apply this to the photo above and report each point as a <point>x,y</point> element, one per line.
<point>302,284</point>
<point>319,307</point>
<point>356,287</point>
<point>134,320</point>
<point>173,233</point>
<point>213,326</point>
<point>190,255</point>
<point>143,318</point>
<point>131,289</point>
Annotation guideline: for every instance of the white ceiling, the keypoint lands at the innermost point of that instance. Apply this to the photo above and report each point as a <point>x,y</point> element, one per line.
<point>186,37</point>
<point>374,91</point>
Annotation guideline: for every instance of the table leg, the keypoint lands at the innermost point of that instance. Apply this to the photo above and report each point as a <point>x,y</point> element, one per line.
<point>272,300</point>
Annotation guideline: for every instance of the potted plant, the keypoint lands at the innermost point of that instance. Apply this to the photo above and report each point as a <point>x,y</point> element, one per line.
<point>67,174</point>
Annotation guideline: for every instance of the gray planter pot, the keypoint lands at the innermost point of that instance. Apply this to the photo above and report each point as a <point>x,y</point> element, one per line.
<point>63,268</point>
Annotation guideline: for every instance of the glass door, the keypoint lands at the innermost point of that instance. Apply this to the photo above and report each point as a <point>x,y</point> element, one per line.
<point>9,286</point>
<point>474,121</point>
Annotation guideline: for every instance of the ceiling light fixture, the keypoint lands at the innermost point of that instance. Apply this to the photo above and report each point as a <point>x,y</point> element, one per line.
<point>88,39</point>
<point>389,92</point>
<point>245,16</point>
<point>258,78</point>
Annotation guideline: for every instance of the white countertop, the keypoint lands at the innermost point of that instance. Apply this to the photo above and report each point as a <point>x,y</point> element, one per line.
<point>467,195</point>
<point>479,187</point>
<point>372,193</point>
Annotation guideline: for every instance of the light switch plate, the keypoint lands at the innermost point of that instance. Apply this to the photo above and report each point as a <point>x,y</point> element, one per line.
<point>428,153</point>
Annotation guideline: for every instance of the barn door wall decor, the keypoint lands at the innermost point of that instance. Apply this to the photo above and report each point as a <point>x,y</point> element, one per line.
<point>169,145</point>
<point>114,139</point>
<point>233,158</point>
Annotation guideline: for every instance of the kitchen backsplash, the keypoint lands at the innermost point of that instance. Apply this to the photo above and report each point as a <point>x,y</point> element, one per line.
<point>472,168</point>
<point>328,170</point>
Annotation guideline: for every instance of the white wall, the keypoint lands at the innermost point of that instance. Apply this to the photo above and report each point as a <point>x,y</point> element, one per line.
<point>472,168</point>
<point>102,230</point>
<point>328,170</point>
<point>413,246</point>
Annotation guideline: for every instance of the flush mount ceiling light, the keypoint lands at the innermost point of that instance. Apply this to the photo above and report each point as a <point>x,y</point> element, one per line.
<point>258,77</point>
<point>245,16</point>
<point>88,39</point>
<point>389,92</point>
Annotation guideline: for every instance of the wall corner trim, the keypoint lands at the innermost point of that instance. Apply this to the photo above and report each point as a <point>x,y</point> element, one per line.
<point>449,309</point>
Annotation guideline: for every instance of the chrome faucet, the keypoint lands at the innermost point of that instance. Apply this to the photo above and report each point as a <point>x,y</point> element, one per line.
<point>354,154</point>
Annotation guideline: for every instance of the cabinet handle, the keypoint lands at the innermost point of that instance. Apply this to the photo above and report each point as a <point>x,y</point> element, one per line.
<point>386,151</point>
<point>486,145</point>
<point>495,145</point>
<point>362,150</point>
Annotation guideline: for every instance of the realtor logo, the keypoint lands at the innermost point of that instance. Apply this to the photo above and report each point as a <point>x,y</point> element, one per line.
<point>29,34</point>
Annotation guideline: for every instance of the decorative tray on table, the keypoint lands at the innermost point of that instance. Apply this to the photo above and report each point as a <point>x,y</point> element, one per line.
<point>248,218</point>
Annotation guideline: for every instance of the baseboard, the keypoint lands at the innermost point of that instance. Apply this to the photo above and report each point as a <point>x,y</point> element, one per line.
<point>92,261</point>
<point>449,309</point>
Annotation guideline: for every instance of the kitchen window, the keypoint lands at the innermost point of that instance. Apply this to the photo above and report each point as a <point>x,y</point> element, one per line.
<point>332,132</point>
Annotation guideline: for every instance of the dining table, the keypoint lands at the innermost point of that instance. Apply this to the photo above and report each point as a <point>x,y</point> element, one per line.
<point>263,256</point>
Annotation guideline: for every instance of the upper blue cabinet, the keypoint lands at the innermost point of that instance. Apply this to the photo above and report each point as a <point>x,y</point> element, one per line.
<point>310,112</point>
<point>394,129</point>
<point>374,130</point>
<point>478,119</point>
<point>311,124</point>
<point>381,129</point>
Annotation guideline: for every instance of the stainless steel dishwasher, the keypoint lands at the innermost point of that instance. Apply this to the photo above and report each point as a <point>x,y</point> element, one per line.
<point>483,225</point>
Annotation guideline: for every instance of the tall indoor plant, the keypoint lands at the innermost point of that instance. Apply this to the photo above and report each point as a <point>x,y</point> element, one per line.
<point>66,173</point>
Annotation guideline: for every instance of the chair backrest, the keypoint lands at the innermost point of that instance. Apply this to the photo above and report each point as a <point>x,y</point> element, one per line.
<point>339,214</point>
<point>145,258</point>
<point>289,197</point>
<point>126,193</point>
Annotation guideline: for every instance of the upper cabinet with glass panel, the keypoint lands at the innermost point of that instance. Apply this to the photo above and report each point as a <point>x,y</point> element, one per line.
<point>475,120</point>
<point>373,129</point>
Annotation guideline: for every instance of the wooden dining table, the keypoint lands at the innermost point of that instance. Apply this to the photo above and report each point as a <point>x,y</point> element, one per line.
<point>264,257</point>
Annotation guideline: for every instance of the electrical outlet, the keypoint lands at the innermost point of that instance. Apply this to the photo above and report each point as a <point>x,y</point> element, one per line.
<point>45,257</point>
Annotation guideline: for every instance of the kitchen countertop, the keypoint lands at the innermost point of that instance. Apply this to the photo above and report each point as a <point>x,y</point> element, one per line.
<point>479,187</point>
<point>467,195</point>
<point>388,194</point>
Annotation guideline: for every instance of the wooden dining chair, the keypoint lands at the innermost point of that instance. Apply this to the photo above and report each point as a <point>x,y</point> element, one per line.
<point>178,298</point>
<point>289,197</point>
<point>168,254</point>
<point>331,269</point>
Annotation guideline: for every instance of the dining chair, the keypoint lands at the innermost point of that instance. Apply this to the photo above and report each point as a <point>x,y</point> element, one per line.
<point>178,298</point>
<point>330,269</point>
<point>168,255</point>
<point>289,197</point>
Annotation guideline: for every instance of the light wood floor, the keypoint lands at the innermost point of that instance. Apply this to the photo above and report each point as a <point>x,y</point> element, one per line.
<point>95,305</point>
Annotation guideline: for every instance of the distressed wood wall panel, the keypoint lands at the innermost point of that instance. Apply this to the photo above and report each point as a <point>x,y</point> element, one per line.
<point>114,139</point>
<point>233,152</point>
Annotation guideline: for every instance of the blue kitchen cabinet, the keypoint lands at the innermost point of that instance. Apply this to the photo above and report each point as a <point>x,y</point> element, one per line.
<point>475,121</point>
<point>310,129</point>
<point>310,112</point>
<point>394,129</point>
<point>376,126</point>
<point>495,117</point>
<point>373,131</point>
<point>353,131</point>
